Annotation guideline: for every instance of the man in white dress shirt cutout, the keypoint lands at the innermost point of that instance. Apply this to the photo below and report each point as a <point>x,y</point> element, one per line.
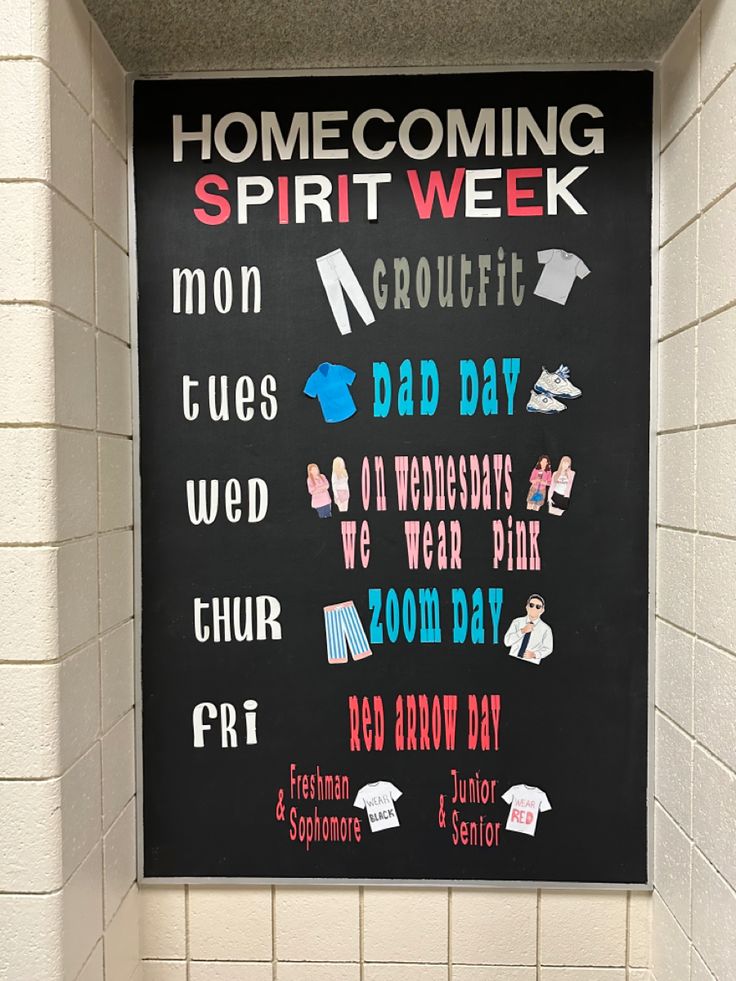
<point>529,637</point>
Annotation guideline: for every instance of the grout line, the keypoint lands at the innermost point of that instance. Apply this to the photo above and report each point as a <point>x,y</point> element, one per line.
<point>449,934</point>
<point>361,931</point>
<point>627,944</point>
<point>274,963</point>
<point>538,937</point>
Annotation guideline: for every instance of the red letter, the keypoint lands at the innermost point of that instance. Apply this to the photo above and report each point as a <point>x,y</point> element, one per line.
<point>200,189</point>
<point>514,193</point>
<point>425,202</point>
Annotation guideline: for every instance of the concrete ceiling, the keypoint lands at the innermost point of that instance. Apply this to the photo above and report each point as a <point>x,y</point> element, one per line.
<point>152,36</point>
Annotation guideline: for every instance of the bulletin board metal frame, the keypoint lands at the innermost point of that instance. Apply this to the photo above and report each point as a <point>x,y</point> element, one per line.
<point>519,885</point>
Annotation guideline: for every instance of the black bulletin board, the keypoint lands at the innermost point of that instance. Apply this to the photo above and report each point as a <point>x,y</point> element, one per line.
<point>393,342</point>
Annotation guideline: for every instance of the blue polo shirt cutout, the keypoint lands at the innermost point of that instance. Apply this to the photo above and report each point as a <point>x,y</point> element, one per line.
<point>329,383</point>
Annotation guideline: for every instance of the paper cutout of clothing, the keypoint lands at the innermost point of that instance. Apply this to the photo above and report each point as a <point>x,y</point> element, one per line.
<point>526,805</point>
<point>329,383</point>
<point>343,631</point>
<point>337,275</point>
<point>559,273</point>
<point>377,799</point>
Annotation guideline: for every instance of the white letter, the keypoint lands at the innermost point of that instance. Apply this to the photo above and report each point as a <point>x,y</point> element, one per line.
<point>251,137</point>
<point>320,133</point>
<point>558,189</point>
<point>198,725</point>
<point>595,136</point>
<point>526,123</point>
<point>371,182</point>
<point>317,198</point>
<point>473,194</point>
<point>405,132</point>
<point>359,134</point>
<point>191,409</point>
<point>201,632</point>
<point>271,131</point>
<point>189,276</point>
<point>471,144</point>
<point>257,499</point>
<point>245,199</point>
<point>203,136</point>
<point>232,499</point>
<point>223,274</point>
<point>268,618</point>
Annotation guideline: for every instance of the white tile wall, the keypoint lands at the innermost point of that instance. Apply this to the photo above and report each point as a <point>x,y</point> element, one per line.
<point>694,921</point>
<point>57,709</point>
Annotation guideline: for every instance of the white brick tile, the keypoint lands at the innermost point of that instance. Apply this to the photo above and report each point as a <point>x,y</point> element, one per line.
<point>676,479</point>
<point>163,922</point>
<point>117,670</point>
<point>71,147</point>
<point>640,928</point>
<point>118,769</point>
<point>25,272</point>
<point>79,677</point>
<point>674,674</point>
<point>70,47</point>
<point>110,188</point>
<point>602,943</point>
<point>94,969</point>
<point>465,972</point>
<point>675,576</point>
<point>405,925</point>
<point>716,393</point>
<point>115,456</point>
<point>315,972</point>
<point>27,485</point>
<point>119,860</point>
<point>672,866</point>
<point>113,386</point>
<point>494,927</point>
<point>698,970</point>
<point>716,246</point>
<point>113,315</point>
<point>22,25</point>
<point>24,101</point>
<point>230,923</point>
<point>32,937</point>
<point>27,392</point>
<point>715,613</point>
<point>165,971</point>
<point>74,373</point>
<point>405,972</point>
<point>678,283</point>
<point>30,846</point>
<point>677,381</point>
<point>82,903</point>
<point>680,80</point>
<point>717,47</point>
<point>108,91</point>
<point>317,925</point>
<point>81,802</point>
<point>714,806</point>
<point>718,159</point>
<point>28,579</point>
<point>714,918</point>
<point>76,475</point>
<point>679,181</point>
<point>640,974</point>
<point>674,771</point>
<point>715,512</point>
<point>222,971</point>
<point>116,578</point>
<point>122,947</point>
<point>583,974</point>
<point>77,593</point>
<point>72,259</point>
<point>715,701</point>
<point>670,946</point>
<point>30,702</point>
